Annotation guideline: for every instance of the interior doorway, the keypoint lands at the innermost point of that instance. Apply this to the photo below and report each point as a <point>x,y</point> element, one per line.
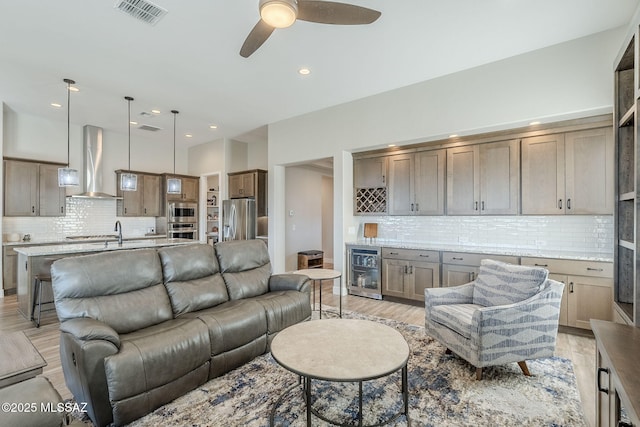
<point>309,210</point>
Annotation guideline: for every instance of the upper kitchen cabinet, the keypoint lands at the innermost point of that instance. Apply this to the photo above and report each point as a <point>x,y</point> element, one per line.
<point>570,173</point>
<point>190,188</point>
<point>483,179</point>
<point>250,184</point>
<point>145,201</point>
<point>31,189</point>
<point>416,183</point>
<point>370,185</point>
<point>370,173</point>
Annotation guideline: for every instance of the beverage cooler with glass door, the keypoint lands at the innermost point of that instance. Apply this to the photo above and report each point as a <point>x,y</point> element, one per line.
<point>364,271</point>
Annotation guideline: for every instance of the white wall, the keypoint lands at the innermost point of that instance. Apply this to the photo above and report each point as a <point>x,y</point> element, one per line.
<point>257,155</point>
<point>206,158</point>
<point>569,80</point>
<point>304,213</point>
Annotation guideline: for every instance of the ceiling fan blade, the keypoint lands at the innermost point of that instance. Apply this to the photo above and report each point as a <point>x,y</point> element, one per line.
<point>329,12</point>
<point>256,38</point>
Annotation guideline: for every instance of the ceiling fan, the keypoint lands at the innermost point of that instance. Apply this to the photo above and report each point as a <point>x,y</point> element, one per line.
<point>283,13</point>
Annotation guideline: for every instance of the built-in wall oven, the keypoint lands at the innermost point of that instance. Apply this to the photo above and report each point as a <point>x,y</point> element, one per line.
<point>364,278</point>
<point>182,230</point>
<point>182,212</point>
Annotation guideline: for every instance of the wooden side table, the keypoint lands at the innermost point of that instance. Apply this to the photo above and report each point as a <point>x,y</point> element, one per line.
<point>19,359</point>
<point>317,275</point>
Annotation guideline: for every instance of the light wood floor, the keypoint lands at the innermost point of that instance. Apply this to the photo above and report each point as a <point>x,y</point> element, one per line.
<point>579,349</point>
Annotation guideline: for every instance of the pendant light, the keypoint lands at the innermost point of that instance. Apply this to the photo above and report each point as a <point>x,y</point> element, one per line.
<point>174,185</point>
<point>129,181</point>
<point>68,177</point>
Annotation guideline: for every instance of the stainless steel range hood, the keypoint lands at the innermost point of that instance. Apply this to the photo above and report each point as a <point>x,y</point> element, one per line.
<point>92,137</point>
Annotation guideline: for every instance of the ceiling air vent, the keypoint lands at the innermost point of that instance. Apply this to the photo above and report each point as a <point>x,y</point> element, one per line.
<point>149,128</point>
<point>142,10</point>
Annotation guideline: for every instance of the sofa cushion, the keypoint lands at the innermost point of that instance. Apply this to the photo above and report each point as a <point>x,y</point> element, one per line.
<point>192,277</point>
<point>499,283</point>
<point>155,356</point>
<point>120,288</point>
<point>245,267</point>
<point>284,308</point>
<point>456,317</point>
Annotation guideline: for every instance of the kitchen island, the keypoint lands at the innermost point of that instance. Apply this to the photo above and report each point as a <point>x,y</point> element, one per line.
<point>37,260</point>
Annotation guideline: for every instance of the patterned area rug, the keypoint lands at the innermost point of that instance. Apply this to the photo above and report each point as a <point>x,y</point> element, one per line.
<point>443,392</point>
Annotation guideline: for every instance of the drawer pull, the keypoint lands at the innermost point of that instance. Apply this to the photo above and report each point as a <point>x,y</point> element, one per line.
<point>457,259</point>
<point>425,256</point>
<point>594,269</point>
<point>600,388</point>
<point>541,265</point>
<point>393,253</point>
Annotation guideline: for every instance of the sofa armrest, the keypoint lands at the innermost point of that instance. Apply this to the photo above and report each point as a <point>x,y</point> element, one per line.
<point>87,329</point>
<point>289,282</point>
<point>462,294</point>
<point>541,313</point>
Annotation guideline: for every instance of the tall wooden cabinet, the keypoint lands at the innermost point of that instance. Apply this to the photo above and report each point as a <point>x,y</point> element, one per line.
<point>190,188</point>
<point>416,183</point>
<point>483,179</point>
<point>626,260</point>
<point>568,173</point>
<point>31,189</point>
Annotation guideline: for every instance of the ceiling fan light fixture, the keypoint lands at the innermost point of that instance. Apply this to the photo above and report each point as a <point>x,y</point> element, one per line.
<point>279,13</point>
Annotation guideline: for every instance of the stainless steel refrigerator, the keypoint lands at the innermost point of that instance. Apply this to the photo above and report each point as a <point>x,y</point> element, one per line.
<point>239,219</point>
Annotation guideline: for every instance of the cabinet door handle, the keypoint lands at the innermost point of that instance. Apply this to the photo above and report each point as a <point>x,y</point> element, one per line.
<point>33,209</point>
<point>411,207</point>
<point>594,269</point>
<point>559,203</point>
<point>405,269</point>
<point>417,207</point>
<point>483,205</point>
<point>145,210</point>
<point>568,203</point>
<point>570,287</point>
<point>411,269</point>
<point>61,209</point>
<point>125,210</point>
<point>383,179</point>
<point>541,265</point>
<point>473,276</point>
<point>600,388</point>
<point>476,206</point>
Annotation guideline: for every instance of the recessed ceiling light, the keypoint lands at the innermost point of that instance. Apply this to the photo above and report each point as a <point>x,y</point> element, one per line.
<point>391,145</point>
<point>453,135</point>
<point>534,123</point>
<point>133,123</point>
<point>304,71</point>
<point>188,135</point>
<point>55,104</point>
<point>74,89</point>
<point>155,111</point>
<point>213,126</point>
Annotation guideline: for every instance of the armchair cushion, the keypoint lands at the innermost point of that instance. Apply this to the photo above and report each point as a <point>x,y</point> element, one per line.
<point>457,317</point>
<point>499,283</point>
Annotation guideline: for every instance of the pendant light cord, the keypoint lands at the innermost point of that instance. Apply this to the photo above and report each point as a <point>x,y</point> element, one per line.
<point>68,119</point>
<point>129,99</point>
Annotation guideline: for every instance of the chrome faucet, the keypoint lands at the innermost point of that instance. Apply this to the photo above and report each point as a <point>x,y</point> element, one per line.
<point>119,230</point>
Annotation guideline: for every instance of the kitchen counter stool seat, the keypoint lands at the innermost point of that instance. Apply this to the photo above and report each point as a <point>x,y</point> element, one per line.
<point>38,280</point>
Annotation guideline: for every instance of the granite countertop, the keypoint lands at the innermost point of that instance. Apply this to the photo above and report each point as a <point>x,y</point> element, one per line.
<point>521,252</point>
<point>59,241</point>
<point>41,250</point>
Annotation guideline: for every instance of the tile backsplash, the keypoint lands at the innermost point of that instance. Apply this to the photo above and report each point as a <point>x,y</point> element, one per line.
<point>577,233</point>
<point>84,216</point>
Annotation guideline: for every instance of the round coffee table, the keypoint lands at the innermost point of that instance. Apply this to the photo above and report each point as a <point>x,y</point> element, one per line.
<point>323,350</point>
<point>317,275</point>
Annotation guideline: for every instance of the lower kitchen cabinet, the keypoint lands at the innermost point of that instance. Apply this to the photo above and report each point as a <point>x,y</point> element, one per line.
<point>406,273</point>
<point>588,291</point>
<point>459,268</point>
<point>9,273</point>
<point>617,372</point>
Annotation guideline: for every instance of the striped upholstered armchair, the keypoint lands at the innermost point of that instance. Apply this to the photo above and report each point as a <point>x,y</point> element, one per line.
<point>508,314</point>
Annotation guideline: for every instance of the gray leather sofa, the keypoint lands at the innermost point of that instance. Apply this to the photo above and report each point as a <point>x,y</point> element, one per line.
<point>142,327</point>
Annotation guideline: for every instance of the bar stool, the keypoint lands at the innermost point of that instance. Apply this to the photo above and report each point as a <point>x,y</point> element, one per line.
<point>38,280</point>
